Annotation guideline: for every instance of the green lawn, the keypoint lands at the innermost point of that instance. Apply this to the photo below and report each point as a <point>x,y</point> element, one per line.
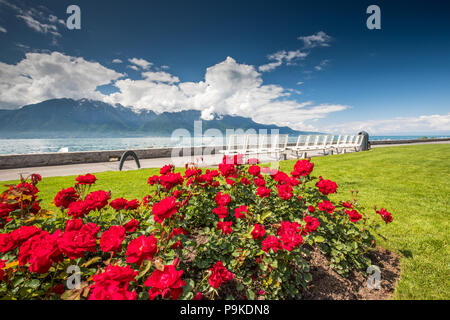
<point>412,182</point>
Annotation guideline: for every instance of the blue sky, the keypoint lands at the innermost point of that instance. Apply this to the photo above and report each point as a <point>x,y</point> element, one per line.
<point>310,65</point>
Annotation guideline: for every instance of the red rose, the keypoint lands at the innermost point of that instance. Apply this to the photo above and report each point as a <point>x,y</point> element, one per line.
<point>230,181</point>
<point>311,224</point>
<point>192,172</point>
<point>26,188</point>
<point>22,234</point>
<point>73,224</point>
<point>164,209</point>
<point>132,205</point>
<point>221,211</point>
<point>353,215</point>
<point>258,232</point>
<point>347,204</point>
<point>240,212</point>
<point>227,170</point>
<point>78,209</point>
<point>290,236</point>
<point>65,197</point>
<point>222,199</point>
<point>254,170</point>
<point>40,251</point>
<point>198,296</point>
<point>146,200</point>
<point>302,168</point>
<point>177,231</point>
<point>259,182</point>
<point>176,194</point>
<point>385,215</point>
<point>6,209</point>
<point>111,240</point>
<point>245,181</point>
<point>131,225</point>
<point>118,204</point>
<point>263,192</point>
<point>35,178</point>
<point>2,273</point>
<point>153,180</point>
<point>171,180</point>
<point>87,179</point>
<point>6,243</point>
<point>113,284</point>
<point>326,206</point>
<point>271,242</point>
<point>311,209</point>
<point>58,288</point>
<point>219,275</point>
<point>166,283</point>
<point>90,228</point>
<point>177,245</point>
<point>281,177</point>
<point>285,191</point>
<point>166,169</point>
<point>75,244</point>
<point>97,200</point>
<point>225,227</point>
<point>141,248</point>
<point>35,208</point>
<point>326,186</point>
<point>253,161</point>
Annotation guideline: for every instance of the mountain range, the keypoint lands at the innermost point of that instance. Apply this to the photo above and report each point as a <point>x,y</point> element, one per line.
<point>68,118</point>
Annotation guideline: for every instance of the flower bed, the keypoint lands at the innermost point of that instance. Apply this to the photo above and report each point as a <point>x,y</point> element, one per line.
<point>240,232</point>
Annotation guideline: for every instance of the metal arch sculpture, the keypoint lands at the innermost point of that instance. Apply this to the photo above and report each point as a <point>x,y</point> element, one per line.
<point>125,155</point>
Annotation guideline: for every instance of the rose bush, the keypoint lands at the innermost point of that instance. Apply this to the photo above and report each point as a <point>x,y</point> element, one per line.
<point>240,232</point>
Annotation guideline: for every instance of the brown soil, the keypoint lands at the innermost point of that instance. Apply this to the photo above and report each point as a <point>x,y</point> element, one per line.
<point>328,285</point>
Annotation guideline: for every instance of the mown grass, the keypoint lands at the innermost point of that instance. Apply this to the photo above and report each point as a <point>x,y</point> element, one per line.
<point>412,182</point>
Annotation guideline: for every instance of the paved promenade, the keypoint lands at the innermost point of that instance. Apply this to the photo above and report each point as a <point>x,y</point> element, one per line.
<point>76,169</point>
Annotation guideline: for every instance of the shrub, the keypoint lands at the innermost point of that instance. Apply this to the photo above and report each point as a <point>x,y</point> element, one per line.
<point>241,231</point>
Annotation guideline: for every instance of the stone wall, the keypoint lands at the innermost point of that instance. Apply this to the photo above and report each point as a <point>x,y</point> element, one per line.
<point>62,158</point>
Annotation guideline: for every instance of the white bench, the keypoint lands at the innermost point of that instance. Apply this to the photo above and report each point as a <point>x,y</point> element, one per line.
<point>307,143</point>
<point>257,145</point>
<point>349,142</point>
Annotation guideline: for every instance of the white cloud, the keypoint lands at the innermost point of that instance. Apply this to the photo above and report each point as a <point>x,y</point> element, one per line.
<point>399,125</point>
<point>321,65</point>
<point>319,39</point>
<point>142,63</point>
<point>133,67</point>
<point>164,67</point>
<point>54,19</point>
<point>41,20</point>
<point>282,56</point>
<point>38,26</point>
<point>228,88</point>
<point>3,30</point>
<point>160,76</point>
<point>300,83</point>
<point>117,61</point>
<point>42,76</point>
<point>288,57</point>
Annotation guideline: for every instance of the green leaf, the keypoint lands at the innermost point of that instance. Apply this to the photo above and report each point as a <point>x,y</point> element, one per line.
<point>34,283</point>
<point>250,294</point>
<point>319,239</point>
<point>307,277</point>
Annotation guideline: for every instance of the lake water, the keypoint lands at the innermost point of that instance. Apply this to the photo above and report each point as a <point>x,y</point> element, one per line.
<point>26,146</point>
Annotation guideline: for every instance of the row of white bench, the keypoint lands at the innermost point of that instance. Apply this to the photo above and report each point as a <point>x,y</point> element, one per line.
<point>278,144</point>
